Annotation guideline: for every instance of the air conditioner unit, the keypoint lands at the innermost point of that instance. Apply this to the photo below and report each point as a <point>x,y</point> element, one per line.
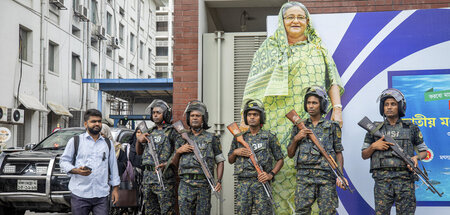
<point>59,4</point>
<point>3,114</point>
<point>101,32</point>
<point>15,116</point>
<point>115,42</point>
<point>83,13</point>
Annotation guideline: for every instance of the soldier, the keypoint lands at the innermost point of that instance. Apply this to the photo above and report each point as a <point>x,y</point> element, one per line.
<point>194,192</point>
<point>315,179</point>
<point>250,190</point>
<point>393,181</point>
<point>157,200</point>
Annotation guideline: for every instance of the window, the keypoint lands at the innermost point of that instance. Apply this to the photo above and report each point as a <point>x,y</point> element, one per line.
<point>109,52</point>
<point>94,11</point>
<point>162,51</point>
<point>76,31</point>
<point>142,11</point>
<point>93,73</point>
<point>25,44</point>
<point>161,74</point>
<point>121,60</point>
<point>149,57</point>
<point>121,32</point>
<point>75,4</point>
<point>53,13</point>
<point>141,50</point>
<point>76,67</point>
<point>141,74</point>
<point>122,11</point>
<point>53,57</point>
<point>94,42</point>
<point>131,42</point>
<point>162,26</point>
<point>131,67</point>
<point>108,74</point>
<point>108,23</point>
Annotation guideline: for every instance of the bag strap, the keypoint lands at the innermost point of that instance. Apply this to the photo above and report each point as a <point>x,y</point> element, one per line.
<point>76,144</point>
<point>108,142</point>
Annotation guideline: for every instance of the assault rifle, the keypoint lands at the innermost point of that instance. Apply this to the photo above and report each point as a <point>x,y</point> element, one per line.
<point>152,149</point>
<point>234,129</point>
<point>179,127</point>
<point>294,118</point>
<point>398,151</point>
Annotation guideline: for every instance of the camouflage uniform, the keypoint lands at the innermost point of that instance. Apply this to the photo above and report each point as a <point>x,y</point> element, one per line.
<point>194,192</point>
<point>157,200</point>
<point>393,181</point>
<point>249,191</point>
<point>315,179</point>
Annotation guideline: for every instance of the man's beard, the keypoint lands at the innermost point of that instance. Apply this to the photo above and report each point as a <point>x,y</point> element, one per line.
<point>94,131</point>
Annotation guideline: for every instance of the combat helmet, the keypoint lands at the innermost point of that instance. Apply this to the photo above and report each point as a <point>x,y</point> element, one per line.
<point>321,94</point>
<point>255,104</point>
<point>198,106</point>
<point>395,94</point>
<point>167,114</point>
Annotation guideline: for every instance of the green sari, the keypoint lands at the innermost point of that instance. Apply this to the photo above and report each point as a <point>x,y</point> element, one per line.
<point>279,76</point>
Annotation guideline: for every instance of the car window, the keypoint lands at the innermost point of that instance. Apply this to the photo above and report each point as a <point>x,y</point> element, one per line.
<point>59,139</point>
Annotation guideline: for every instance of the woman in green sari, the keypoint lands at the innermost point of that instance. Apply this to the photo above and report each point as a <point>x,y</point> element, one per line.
<point>287,63</point>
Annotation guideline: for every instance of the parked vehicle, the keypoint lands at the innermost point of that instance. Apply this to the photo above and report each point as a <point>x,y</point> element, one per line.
<point>32,180</point>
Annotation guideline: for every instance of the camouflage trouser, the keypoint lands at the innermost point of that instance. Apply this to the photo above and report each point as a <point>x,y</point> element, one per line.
<point>250,192</point>
<point>158,201</point>
<point>308,190</point>
<point>194,199</point>
<point>398,190</point>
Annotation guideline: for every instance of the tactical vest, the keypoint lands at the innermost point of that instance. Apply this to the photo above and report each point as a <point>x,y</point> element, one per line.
<point>243,166</point>
<point>164,149</point>
<point>188,161</point>
<point>401,133</point>
<point>308,155</point>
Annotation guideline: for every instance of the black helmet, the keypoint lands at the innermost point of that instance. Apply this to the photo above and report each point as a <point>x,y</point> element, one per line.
<point>198,106</point>
<point>395,94</point>
<point>321,94</point>
<point>254,104</point>
<point>167,115</point>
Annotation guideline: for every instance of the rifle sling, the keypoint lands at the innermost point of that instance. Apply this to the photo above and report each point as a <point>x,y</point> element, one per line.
<point>373,131</point>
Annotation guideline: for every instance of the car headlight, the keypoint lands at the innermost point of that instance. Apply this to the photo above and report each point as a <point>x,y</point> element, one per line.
<point>8,168</point>
<point>41,170</point>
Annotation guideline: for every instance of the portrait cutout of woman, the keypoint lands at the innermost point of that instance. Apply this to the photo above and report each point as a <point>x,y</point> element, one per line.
<point>286,64</point>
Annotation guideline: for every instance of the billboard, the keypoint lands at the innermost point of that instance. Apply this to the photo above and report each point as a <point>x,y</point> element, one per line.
<point>407,50</point>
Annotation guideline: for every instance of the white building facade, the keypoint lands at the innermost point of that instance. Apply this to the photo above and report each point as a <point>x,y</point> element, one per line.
<point>164,41</point>
<point>49,46</point>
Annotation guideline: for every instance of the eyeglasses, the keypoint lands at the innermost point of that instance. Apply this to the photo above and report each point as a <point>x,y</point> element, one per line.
<point>292,18</point>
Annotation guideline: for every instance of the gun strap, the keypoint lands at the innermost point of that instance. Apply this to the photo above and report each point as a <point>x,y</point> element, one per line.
<point>376,128</point>
<point>238,134</point>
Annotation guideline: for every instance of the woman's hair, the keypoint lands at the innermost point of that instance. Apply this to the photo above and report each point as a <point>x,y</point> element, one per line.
<point>293,4</point>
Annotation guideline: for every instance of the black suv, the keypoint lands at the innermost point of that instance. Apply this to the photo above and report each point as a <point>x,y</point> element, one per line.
<point>32,180</point>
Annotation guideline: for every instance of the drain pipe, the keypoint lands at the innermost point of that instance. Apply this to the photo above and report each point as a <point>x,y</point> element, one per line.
<point>219,124</point>
<point>42,82</point>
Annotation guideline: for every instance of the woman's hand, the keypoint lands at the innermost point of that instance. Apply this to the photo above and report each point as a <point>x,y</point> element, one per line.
<point>337,115</point>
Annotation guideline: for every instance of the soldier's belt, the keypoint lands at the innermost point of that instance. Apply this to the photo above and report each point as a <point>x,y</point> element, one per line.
<point>393,169</point>
<point>193,177</point>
